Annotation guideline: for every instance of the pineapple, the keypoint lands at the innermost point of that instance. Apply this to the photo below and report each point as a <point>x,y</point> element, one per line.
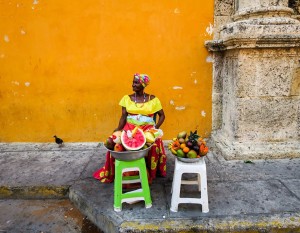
<point>192,141</point>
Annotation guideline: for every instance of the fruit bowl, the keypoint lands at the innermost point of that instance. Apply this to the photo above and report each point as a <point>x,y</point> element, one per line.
<point>129,155</point>
<point>188,160</point>
<point>188,148</point>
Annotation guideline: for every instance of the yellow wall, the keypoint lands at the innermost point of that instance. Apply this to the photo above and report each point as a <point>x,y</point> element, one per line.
<point>64,65</point>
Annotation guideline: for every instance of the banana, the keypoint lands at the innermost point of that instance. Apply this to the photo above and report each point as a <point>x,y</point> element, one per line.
<point>173,151</point>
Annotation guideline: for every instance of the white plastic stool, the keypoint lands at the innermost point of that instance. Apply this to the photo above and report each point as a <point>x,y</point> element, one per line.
<point>199,168</point>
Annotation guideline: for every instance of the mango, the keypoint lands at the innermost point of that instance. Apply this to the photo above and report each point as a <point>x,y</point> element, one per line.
<point>180,153</point>
<point>182,135</point>
<point>192,154</point>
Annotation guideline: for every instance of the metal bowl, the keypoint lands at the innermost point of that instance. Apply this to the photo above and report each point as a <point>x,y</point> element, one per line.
<point>188,160</point>
<point>129,155</point>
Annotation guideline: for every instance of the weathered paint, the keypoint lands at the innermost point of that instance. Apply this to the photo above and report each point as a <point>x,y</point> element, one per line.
<point>65,65</point>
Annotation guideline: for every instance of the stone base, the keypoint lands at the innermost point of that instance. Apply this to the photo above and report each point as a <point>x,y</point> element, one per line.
<point>238,150</point>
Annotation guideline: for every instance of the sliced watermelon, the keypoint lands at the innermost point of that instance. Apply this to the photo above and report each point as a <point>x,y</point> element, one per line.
<point>134,141</point>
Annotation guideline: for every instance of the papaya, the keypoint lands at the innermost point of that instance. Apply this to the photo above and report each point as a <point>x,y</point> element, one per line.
<point>203,149</point>
<point>176,145</point>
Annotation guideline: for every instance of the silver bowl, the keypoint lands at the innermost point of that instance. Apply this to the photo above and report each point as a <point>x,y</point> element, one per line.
<point>188,160</point>
<point>129,155</point>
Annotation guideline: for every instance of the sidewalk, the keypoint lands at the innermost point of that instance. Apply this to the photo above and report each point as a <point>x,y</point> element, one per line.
<point>263,196</point>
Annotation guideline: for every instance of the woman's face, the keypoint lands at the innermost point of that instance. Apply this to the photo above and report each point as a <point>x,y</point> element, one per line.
<point>136,85</point>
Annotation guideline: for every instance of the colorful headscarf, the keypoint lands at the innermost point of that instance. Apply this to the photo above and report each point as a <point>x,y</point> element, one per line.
<point>144,79</point>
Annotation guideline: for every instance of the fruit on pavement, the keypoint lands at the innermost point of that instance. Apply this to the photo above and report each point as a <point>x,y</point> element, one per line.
<point>133,140</point>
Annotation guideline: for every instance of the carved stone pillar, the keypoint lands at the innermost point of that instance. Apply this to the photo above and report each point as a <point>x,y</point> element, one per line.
<point>256,84</point>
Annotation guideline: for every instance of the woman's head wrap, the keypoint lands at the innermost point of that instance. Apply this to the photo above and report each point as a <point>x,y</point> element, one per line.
<point>144,79</point>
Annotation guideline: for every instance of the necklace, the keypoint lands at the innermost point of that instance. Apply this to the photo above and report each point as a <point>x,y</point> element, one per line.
<point>137,103</point>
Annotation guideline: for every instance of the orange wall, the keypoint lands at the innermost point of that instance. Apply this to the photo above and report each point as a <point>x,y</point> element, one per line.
<point>64,65</point>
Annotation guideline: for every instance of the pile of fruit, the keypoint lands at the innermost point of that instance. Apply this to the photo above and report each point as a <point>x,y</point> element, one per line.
<point>188,146</point>
<point>131,140</point>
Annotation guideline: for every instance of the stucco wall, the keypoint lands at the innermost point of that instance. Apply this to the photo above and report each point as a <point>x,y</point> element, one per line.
<point>64,65</point>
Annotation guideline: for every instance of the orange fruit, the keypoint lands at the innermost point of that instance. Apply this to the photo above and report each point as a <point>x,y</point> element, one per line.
<point>182,145</point>
<point>186,149</point>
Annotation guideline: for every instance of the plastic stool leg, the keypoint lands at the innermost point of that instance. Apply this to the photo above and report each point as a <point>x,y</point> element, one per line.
<point>176,190</point>
<point>204,193</point>
<point>145,184</point>
<point>118,187</point>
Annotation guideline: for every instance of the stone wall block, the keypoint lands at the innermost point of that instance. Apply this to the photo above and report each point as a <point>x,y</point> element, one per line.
<point>267,73</point>
<point>248,75</point>
<point>267,119</point>
<point>217,73</point>
<point>229,83</point>
<point>219,22</point>
<point>223,7</point>
<point>295,85</point>
<point>275,76</point>
<point>217,111</point>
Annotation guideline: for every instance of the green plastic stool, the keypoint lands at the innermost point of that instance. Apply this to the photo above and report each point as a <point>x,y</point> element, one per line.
<point>136,195</point>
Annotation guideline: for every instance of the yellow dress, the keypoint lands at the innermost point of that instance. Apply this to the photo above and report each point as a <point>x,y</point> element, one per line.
<point>140,114</point>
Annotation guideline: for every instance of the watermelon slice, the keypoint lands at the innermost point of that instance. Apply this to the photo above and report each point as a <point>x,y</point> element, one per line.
<point>133,140</point>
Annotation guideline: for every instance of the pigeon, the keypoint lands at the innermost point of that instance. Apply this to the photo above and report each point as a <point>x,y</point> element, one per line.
<point>58,141</point>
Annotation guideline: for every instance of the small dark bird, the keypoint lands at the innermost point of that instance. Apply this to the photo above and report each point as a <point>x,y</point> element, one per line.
<point>58,141</point>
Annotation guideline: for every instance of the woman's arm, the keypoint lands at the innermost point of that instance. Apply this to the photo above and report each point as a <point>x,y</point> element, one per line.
<point>123,118</point>
<point>161,118</point>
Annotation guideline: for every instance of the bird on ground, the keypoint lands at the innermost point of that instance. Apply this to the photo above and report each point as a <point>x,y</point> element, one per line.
<point>58,141</point>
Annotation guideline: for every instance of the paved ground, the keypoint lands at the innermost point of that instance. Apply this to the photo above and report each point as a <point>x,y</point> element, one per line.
<point>44,188</point>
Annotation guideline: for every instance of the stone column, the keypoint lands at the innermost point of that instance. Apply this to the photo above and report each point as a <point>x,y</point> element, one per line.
<point>256,83</point>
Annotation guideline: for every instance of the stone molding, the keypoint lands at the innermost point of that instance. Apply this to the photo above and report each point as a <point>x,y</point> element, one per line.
<point>234,150</point>
<point>288,41</point>
<point>258,33</point>
<point>258,12</point>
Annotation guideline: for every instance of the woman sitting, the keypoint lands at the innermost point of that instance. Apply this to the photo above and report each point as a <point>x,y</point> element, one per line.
<point>139,109</point>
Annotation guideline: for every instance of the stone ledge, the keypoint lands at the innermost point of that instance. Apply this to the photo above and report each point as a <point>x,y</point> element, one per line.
<point>287,41</point>
<point>235,150</point>
<point>47,146</point>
